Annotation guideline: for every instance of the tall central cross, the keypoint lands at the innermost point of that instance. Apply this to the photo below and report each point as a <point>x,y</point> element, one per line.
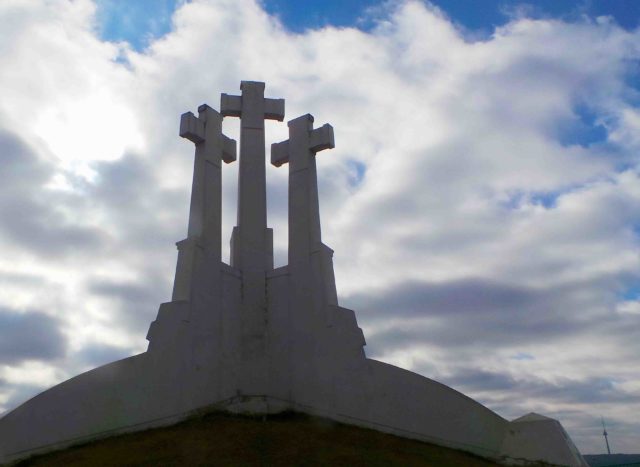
<point>252,241</point>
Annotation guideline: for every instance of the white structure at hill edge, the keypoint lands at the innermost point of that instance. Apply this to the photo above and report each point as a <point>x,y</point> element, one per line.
<point>246,337</point>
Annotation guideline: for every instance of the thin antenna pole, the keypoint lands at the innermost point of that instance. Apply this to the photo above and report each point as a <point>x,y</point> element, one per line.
<point>605,434</point>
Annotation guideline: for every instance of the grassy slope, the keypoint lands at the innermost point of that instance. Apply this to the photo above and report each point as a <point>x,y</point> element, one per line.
<point>283,440</point>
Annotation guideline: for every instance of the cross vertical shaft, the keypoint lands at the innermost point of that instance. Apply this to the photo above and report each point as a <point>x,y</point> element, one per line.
<point>252,241</point>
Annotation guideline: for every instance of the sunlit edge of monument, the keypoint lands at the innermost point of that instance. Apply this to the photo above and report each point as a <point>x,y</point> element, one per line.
<point>247,338</point>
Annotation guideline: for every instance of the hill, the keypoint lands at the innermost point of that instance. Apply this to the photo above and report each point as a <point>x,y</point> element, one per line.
<point>281,440</point>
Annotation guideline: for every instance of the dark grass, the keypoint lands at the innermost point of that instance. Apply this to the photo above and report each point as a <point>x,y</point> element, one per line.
<point>288,439</point>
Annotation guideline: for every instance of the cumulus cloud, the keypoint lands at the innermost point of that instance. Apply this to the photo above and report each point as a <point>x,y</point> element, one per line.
<point>29,336</point>
<point>29,213</point>
<point>482,199</point>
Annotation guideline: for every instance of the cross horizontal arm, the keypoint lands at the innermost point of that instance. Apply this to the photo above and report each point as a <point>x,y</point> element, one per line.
<point>274,109</point>
<point>318,140</point>
<point>322,138</point>
<point>191,128</point>
<point>228,149</point>
<point>280,153</point>
<point>230,106</point>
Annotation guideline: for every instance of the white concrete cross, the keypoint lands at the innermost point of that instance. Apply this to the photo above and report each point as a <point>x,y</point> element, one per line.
<point>193,129</point>
<point>252,243</point>
<point>205,131</point>
<point>319,139</point>
<point>304,211</point>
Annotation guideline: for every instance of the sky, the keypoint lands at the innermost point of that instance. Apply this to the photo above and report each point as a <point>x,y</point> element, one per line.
<point>483,198</point>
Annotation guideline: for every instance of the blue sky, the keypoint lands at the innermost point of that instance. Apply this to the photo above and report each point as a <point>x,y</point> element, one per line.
<point>137,22</point>
<point>483,199</point>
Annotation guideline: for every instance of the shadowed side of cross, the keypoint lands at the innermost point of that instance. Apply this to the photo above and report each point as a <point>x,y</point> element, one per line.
<point>304,211</point>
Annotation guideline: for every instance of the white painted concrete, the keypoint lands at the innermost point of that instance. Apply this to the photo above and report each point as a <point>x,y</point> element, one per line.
<point>535,436</point>
<point>248,338</point>
<point>252,241</point>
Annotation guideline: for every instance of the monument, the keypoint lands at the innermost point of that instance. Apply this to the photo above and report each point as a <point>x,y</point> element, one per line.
<point>245,337</point>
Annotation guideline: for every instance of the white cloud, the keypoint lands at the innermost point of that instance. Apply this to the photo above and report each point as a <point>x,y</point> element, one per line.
<point>479,230</point>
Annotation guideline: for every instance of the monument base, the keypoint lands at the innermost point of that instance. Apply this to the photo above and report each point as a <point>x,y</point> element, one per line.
<point>134,394</point>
